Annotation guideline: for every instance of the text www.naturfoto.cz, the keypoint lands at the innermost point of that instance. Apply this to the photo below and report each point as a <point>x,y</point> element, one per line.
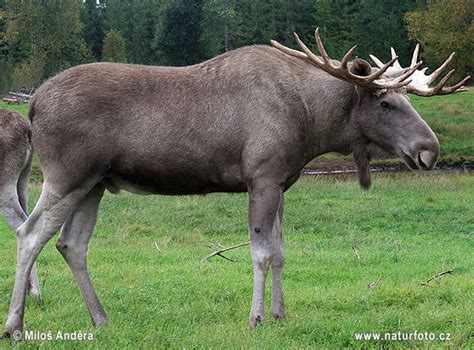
<point>397,336</point>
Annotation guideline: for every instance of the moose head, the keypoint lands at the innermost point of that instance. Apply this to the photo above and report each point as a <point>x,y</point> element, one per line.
<point>383,119</point>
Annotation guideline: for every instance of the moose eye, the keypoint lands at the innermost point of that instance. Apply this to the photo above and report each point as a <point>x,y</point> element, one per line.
<point>385,105</point>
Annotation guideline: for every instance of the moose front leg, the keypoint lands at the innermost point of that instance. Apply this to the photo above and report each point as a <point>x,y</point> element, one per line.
<point>265,203</point>
<point>278,307</point>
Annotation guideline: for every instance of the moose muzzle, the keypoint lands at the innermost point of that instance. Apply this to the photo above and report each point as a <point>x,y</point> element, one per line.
<point>422,155</point>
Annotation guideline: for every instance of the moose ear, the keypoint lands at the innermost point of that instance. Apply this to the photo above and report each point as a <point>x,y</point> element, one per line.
<point>361,67</point>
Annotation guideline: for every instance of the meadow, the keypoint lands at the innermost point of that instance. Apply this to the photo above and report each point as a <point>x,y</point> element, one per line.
<point>145,260</point>
<point>146,263</point>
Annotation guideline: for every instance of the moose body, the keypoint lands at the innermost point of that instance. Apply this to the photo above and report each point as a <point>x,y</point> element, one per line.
<point>16,156</point>
<point>192,130</point>
<point>245,121</point>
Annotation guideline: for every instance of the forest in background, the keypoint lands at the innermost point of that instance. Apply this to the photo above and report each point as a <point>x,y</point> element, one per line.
<point>38,39</point>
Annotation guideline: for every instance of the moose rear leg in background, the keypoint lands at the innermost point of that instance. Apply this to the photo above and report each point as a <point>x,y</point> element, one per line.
<point>15,163</point>
<point>15,216</point>
<point>265,212</point>
<point>10,206</point>
<point>73,244</point>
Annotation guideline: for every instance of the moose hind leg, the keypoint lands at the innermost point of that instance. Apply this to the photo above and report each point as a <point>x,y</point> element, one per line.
<point>22,185</point>
<point>73,245</point>
<point>10,207</point>
<point>15,215</point>
<point>264,201</point>
<point>50,213</point>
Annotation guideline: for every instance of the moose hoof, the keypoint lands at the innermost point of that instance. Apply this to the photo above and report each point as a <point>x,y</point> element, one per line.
<point>278,315</point>
<point>34,292</point>
<point>14,334</point>
<point>255,320</point>
<point>5,335</point>
<point>101,324</point>
<point>100,321</point>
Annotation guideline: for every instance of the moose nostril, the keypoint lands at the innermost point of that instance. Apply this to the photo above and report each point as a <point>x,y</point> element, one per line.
<point>427,159</point>
<point>420,161</point>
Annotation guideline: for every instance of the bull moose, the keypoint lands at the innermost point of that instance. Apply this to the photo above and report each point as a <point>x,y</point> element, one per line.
<point>245,121</point>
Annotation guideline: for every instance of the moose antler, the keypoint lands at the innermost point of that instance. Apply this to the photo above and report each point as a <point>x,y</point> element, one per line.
<point>420,84</point>
<point>372,81</point>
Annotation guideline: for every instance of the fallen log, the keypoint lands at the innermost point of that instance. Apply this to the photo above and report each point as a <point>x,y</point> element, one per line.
<point>11,100</point>
<point>19,94</point>
<point>17,97</point>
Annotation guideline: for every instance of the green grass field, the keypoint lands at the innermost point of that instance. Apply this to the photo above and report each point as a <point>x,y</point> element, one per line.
<point>452,119</point>
<point>408,227</point>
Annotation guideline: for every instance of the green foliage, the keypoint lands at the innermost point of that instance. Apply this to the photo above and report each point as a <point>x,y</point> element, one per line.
<point>257,21</point>
<point>5,66</point>
<point>379,25</point>
<point>142,31</point>
<point>136,21</point>
<point>408,227</point>
<point>218,25</point>
<point>5,75</point>
<point>39,39</point>
<point>445,26</point>
<point>28,73</point>
<point>114,48</point>
<point>43,39</point>
<point>178,35</point>
<point>3,22</point>
<point>93,18</point>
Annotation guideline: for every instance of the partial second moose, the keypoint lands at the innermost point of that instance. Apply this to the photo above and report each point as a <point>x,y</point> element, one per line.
<point>16,156</point>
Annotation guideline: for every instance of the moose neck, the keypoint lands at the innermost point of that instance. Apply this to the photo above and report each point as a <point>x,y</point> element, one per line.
<point>329,102</point>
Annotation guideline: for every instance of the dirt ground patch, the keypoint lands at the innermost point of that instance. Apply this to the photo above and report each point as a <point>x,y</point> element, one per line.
<point>347,166</point>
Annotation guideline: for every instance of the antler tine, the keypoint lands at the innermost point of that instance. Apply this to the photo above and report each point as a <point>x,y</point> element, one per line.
<point>456,88</point>
<point>287,50</point>
<point>376,61</point>
<point>398,84</point>
<point>414,59</point>
<point>382,69</point>
<point>344,71</point>
<point>396,64</point>
<point>321,48</point>
<point>348,55</point>
<point>410,72</point>
<point>433,76</point>
<point>443,81</point>
<point>392,52</point>
<point>439,89</point>
<point>345,60</point>
<point>311,56</point>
